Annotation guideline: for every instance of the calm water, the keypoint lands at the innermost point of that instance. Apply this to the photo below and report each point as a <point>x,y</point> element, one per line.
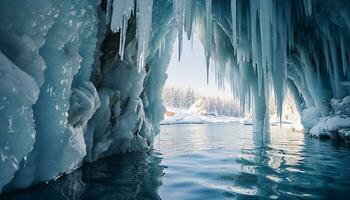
<point>212,161</point>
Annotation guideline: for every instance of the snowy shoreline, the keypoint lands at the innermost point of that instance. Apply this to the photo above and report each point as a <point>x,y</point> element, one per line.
<point>184,122</point>
<point>175,116</point>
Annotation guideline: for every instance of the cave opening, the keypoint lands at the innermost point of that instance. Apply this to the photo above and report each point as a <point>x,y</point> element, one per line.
<point>188,91</point>
<point>188,81</point>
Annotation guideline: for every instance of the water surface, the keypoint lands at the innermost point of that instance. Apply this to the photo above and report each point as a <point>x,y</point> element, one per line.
<point>229,161</point>
<point>212,161</point>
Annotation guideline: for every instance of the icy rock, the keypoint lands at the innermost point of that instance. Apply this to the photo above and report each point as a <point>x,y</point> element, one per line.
<point>344,134</point>
<point>320,131</point>
<point>128,127</point>
<point>23,34</point>
<point>310,117</point>
<point>337,124</point>
<point>18,92</point>
<point>332,127</point>
<point>97,135</point>
<point>84,102</point>
<point>341,106</point>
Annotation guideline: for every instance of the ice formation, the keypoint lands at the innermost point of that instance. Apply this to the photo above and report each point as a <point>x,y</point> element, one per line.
<point>82,79</point>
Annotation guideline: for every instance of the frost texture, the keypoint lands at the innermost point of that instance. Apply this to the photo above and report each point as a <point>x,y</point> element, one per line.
<point>82,79</point>
<point>18,93</point>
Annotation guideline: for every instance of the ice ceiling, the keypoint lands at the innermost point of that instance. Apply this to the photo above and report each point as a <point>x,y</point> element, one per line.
<point>82,79</point>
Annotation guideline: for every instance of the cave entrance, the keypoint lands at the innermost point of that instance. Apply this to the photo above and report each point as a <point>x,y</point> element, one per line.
<point>188,96</point>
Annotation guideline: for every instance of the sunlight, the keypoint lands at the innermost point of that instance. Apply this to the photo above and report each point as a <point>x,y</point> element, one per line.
<point>190,71</point>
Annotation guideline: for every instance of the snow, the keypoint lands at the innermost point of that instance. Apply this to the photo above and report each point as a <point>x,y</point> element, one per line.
<point>194,116</point>
<point>190,116</point>
<point>337,124</point>
<point>197,114</point>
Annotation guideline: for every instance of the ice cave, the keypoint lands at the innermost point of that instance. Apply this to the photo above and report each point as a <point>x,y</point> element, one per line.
<point>81,80</point>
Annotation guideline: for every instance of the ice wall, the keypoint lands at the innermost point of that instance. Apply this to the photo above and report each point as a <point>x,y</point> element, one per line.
<point>18,93</point>
<point>131,108</point>
<point>52,42</point>
<point>82,79</point>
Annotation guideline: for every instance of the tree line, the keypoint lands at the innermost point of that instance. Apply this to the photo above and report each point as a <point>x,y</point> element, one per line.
<point>184,98</point>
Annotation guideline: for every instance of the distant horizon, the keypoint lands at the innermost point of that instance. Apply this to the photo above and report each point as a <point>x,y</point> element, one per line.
<point>222,96</point>
<point>190,71</point>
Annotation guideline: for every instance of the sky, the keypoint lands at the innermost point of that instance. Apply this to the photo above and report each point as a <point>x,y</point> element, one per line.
<point>191,71</point>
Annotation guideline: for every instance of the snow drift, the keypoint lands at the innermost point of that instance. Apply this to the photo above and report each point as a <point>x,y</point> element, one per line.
<point>82,79</point>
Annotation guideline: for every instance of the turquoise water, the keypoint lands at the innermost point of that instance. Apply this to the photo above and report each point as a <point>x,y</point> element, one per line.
<point>212,161</point>
<point>228,161</point>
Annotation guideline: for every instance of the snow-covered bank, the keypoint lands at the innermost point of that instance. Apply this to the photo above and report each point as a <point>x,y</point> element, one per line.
<point>337,124</point>
<point>183,116</point>
<point>197,116</point>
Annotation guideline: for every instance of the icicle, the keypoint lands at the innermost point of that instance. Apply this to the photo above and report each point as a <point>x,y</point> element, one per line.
<point>343,54</point>
<point>121,9</point>
<point>326,55</point>
<point>234,22</point>
<point>279,69</point>
<point>160,47</point>
<point>289,29</point>
<point>123,37</point>
<point>318,71</point>
<point>339,90</point>
<point>121,13</point>
<point>208,32</point>
<point>256,51</point>
<point>178,7</point>
<point>308,7</point>
<point>108,11</point>
<point>265,11</point>
<point>207,63</point>
<point>144,25</point>
<point>189,13</point>
<point>192,43</point>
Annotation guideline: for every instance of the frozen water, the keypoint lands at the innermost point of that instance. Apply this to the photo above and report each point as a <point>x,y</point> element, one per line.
<point>82,79</point>
<point>18,93</point>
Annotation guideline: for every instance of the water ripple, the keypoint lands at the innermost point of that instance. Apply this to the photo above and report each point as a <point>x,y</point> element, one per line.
<point>241,165</point>
<point>211,161</point>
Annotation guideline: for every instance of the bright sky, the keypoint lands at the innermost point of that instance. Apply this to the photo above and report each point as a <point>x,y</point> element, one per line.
<point>191,70</point>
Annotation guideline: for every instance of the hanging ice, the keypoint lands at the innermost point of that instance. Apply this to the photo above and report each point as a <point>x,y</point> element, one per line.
<point>208,34</point>
<point>144,22</point>
<point>120,16</point>
<point>179,14</point>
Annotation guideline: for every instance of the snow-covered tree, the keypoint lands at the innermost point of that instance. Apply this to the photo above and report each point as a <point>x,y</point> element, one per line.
<point>185,98</point>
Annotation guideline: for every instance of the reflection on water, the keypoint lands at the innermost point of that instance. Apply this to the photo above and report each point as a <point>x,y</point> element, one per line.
<point>130,176</point>
<point>228,161</point>
<point>212,161</point>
